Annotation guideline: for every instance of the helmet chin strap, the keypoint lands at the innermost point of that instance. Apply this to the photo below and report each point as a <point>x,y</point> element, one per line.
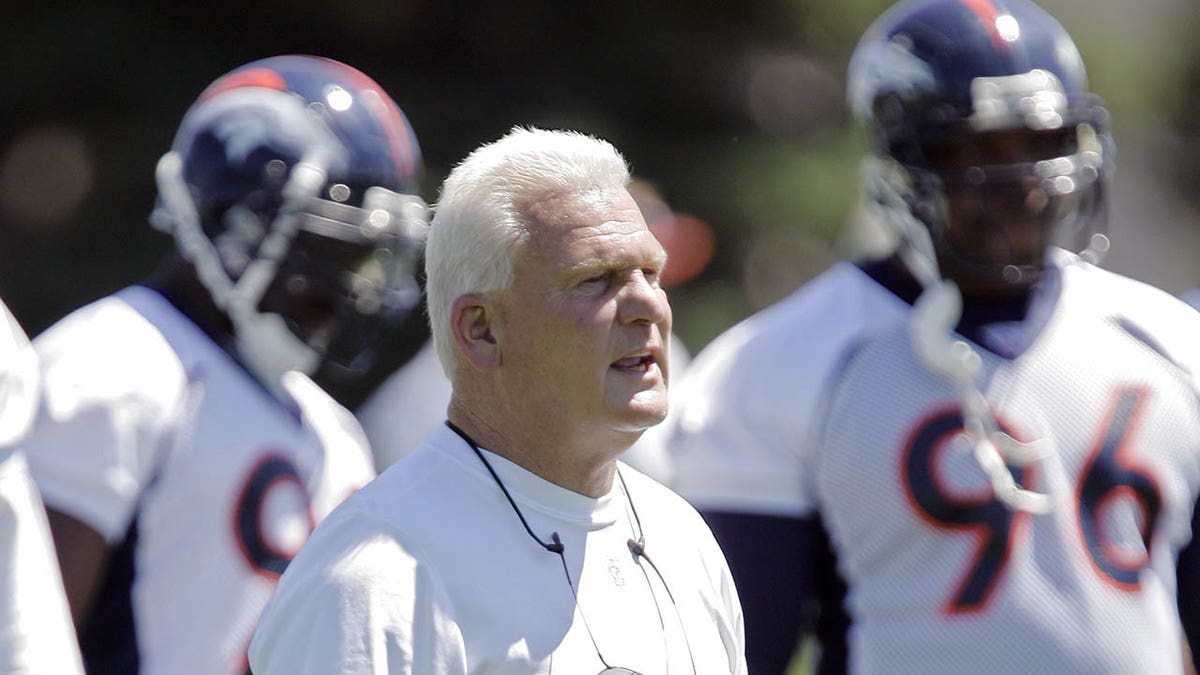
<point>269,348</point>
<point>935,315</point>
<point>263,341</point>
<point>888,185</point>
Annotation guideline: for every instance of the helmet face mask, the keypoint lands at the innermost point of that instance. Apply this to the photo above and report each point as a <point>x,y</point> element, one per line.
<point>291,188</point>
<point>982,108</point>
<point>338,293</point>
<point>996,201</point>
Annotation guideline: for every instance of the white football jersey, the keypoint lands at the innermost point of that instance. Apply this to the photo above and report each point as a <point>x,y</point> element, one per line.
<point>942,577</point>
<point>204,484</point>
<point>36,633</point>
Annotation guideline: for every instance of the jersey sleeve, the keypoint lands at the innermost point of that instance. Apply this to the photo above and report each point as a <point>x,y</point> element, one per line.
<point>36,634</point>
<point>732,444</point>
<point>347,464</point>
<point>750,406</point>
<point>18,379</point>
<point>1165,323</point>
<point>109,386</point>
<point>405,408</point>
<point>356,603</point>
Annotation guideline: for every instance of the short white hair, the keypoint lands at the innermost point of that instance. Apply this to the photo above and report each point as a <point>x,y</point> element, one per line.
<point>481,220</point>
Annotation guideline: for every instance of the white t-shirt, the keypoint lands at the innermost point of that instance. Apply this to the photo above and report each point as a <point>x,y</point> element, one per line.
<point>203,483</point>
<point>429,570</point>
<point>412,402</point>
<point>819,407</point>
<point>36,633</point>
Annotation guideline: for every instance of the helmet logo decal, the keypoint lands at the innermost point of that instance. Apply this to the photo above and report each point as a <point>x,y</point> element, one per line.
<point>245,119</point>
<point>892,63</point>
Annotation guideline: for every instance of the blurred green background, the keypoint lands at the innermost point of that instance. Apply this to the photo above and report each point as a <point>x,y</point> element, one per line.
<point>731,111</point>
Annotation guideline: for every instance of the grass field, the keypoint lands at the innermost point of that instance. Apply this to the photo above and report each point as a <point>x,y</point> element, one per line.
<point>803,663</point>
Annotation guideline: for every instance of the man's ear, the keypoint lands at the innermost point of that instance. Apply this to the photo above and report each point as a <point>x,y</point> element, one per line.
<point>471,318</point>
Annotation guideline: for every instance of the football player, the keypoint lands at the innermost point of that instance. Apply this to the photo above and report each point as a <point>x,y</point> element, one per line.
<point>982,453</point>
<point>183,452</point>
<point>36,635</point>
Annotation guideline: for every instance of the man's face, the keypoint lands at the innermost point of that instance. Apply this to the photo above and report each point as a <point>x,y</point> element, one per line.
<point>998,212</point>
<point>583,331</point>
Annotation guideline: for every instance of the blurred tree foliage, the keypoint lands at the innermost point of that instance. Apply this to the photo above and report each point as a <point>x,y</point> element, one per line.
<point>732,110</point>
<point>670,84</point>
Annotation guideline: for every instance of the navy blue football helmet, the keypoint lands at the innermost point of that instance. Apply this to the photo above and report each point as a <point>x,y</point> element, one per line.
<point>291,186</point>
<point>987,148</point>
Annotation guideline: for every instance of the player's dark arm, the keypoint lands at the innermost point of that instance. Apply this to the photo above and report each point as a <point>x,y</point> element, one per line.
<point>1187,572</point>
<point>773,564</point>
<point>82,556</point>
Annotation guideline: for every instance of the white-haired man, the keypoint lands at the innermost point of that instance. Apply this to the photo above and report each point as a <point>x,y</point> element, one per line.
<point>513,540</point>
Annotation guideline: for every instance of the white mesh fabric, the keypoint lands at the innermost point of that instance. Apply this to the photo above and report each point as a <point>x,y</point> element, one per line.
<point>1050,608</point>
